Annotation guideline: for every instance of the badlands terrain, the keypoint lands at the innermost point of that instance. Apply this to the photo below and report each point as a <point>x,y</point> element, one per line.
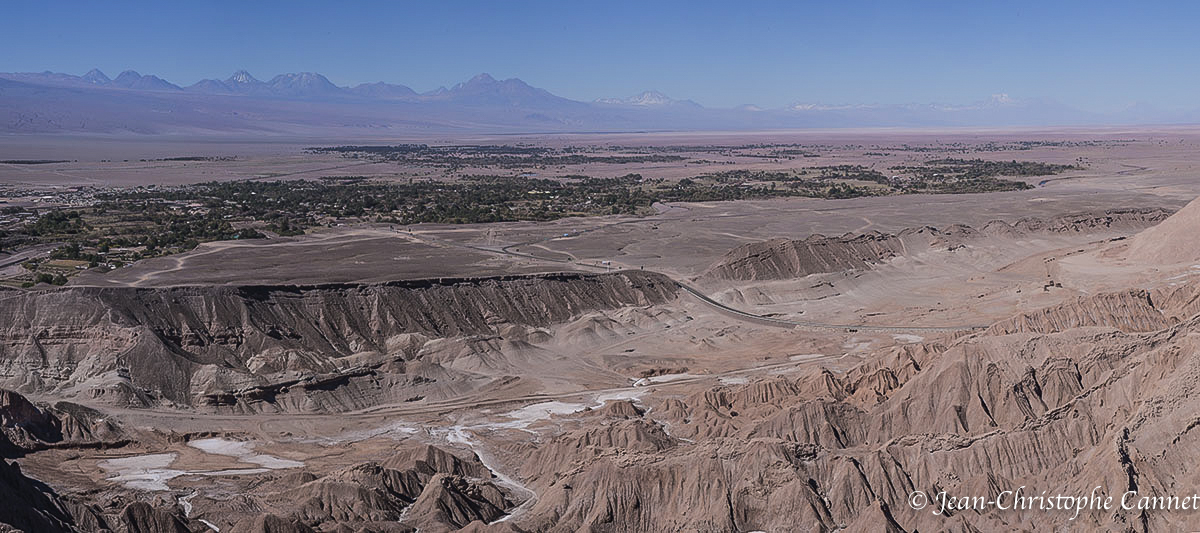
<point>776,364</point>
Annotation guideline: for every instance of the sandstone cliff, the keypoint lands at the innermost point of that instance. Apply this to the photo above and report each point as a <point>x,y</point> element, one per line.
<point>200,345</point>
<point>818,254</point>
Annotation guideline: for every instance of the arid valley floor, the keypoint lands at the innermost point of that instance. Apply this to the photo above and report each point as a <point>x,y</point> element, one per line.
<point>777,364</point>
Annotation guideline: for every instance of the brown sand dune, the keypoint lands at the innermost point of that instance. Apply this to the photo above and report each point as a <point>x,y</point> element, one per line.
<point>1172,241</point>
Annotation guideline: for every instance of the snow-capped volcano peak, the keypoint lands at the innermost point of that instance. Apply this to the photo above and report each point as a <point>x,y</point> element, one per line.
<point>648,98</point>
<point>96,77</point>
<point>242,76</point>
<point>1002,99</point>
<point>645,99</point>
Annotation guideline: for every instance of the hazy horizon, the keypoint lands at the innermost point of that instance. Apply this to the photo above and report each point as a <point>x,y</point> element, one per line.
<point>1103,58</point>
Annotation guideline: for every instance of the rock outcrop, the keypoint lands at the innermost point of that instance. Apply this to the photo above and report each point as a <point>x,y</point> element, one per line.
<point>425,488</point>
<point>1097,393</point>
<point>28,505</point>
<point>1169,242</point>
<point>818,254</point>
<point>188,346</point>
<point>1129,311</point>
<point>25,427</point>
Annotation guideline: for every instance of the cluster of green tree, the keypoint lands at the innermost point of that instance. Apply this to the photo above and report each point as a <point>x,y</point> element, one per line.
<point>753,184</point>
<point>993,146</point>
<point>425,149</point>
<point>75,252</point>
<point>950,175</point>
<point>195,158</point>
<point>795,151</point>
<point>53,279</point>
<point>976,168</point>
<point>291,206</point>
<point>136,218</point>
<point>166,220</point>
<point>942,176</point>
<point>811,179</point>
<point>816,176</point>
<point>848,172</point>
<point>284,226</point>
<point>57,223</point>
<point>163,232</point>
<point>500,156</point>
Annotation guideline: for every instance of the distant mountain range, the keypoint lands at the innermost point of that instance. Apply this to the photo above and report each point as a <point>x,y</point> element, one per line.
<point>308,104</point>
<point>648,99</point>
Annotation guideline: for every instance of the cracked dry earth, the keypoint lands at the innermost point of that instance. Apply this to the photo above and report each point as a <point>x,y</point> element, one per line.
<point>620,402</point>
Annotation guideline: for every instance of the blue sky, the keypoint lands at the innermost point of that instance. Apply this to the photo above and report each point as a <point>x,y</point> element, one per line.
<point>1093,55</point>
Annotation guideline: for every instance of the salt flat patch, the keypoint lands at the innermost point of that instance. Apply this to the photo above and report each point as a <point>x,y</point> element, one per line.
<point>186,503</point>
<point>528,415</point>
<point>151,472</point>
<point>244,451</point>
<point>664,378</point>
<point>805,357</point>
<point>458,435</point>
<point>544,410</point>
<point>146,472</point>
<point>628,394</point>
<point>907,338</point>
<point>857,346</point>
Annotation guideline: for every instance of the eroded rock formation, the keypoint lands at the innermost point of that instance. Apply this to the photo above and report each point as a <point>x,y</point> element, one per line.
<point>222,346</point>
<point>818,254</point>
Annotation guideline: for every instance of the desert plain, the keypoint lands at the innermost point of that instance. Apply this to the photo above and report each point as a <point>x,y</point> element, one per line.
<point>766,364</point>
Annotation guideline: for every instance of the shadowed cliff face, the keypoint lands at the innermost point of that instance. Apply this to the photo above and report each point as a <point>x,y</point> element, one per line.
<point>28,505</point>
<point>192,345</point>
